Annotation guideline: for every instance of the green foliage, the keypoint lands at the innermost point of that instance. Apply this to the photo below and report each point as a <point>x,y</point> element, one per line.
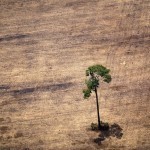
<point>107,78</point>
<point>94,72</point>
<point>94,126</point>
<point>97,69</point>
<point>92,83</point>
<point>87,93</point>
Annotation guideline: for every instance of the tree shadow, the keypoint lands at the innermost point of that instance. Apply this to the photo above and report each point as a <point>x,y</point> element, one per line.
<point>114,131</point>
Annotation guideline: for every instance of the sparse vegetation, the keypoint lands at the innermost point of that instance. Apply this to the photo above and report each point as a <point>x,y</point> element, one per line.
<point>94,126</point>
<point>94,73</point>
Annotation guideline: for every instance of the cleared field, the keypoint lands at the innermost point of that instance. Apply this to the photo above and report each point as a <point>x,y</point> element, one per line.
<point>45,48</point>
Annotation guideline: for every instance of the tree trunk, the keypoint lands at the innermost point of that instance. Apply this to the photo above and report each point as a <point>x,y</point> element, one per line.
<point>98,115</point>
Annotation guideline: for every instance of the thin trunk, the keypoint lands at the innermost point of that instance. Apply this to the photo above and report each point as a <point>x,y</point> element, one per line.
<point>98,115</point>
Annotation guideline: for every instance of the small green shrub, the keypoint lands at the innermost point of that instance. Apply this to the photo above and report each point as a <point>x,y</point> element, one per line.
<point>94,126</point>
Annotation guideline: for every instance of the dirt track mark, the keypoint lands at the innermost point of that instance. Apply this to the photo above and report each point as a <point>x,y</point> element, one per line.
<point>4,129</point>
<point>118,87</point>
<point>53,87</point>
<point>13,37</point>
<point>79,3</point>
<point>4,87</point>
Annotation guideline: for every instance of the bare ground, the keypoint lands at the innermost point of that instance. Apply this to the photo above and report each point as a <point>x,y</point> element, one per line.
<point>45,48</point>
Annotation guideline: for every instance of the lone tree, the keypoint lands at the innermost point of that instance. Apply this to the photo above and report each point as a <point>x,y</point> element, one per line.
<point>94,73</point>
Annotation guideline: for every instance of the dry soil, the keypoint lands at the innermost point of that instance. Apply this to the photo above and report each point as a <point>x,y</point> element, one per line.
<point>45,48</point>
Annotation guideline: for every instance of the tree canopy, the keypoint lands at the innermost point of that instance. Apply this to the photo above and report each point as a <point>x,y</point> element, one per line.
<point>93,73</point>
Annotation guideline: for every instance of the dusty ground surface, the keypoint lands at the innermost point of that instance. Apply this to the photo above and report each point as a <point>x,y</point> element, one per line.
<point>45,48</point>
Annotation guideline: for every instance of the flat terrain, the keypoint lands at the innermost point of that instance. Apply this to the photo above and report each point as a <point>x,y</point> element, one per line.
<point>45,48</point>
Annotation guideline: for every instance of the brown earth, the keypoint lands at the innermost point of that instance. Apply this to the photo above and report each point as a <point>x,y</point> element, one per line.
<point>45,48</point>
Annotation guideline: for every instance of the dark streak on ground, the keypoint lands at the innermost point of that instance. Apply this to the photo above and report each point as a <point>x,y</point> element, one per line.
<point>79,3</point>
<point>53,87</point>
<point>4,87</point>
<point>13,37</point>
